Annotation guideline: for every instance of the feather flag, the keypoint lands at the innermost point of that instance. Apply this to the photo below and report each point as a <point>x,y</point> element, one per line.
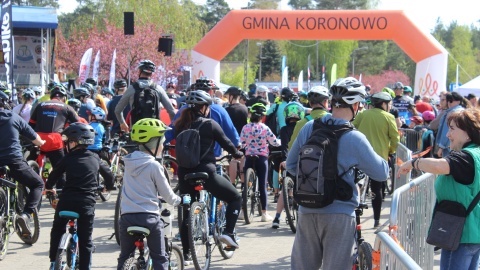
<point>85,65</point>
<point>333,76</point>
<point>300,81</point>
<point>112,70</point>
<point>96,66</point>
<point>285,77</point>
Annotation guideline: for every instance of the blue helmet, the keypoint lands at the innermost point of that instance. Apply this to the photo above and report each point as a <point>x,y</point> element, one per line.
<point>99,113</point>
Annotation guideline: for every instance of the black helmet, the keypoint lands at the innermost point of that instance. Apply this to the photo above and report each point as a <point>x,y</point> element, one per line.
<point>252,85</point>
<point>3,98</point>
<point>89,87</point>
<point>120,83</point>
<point>233,91</point>
<point>75,103</point>
<point>106,90</point>
<point>147,66</point>
<point>81,92</point>
<point>91,81</point>
<point>81,133</point>
<point>198,97</point>
<point>347,91</point>
<point>287,94</point>
<point>244,95</point>
<point>204,84</point>
<point>58,91</point>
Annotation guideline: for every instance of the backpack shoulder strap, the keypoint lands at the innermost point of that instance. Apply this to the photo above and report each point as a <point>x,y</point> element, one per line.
<point>211,143</point>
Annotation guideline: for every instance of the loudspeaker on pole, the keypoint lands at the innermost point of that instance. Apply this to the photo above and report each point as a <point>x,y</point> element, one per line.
<point>128,23</point>
<point>165,45</point>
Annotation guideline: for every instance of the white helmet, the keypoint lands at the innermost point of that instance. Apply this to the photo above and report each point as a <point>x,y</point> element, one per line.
<point>348,91</point>
<point>321,91</point>
<point>38,91</point>
<point>262,89</point>
<point>275,89</point>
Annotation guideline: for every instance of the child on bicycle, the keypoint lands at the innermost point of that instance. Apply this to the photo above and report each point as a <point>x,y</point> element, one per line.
<point>142,181</point>
<point>255,137</point>
<point>293,113</point>
<point>78,194</point>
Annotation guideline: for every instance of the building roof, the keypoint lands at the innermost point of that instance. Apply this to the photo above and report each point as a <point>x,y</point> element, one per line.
<point>34,17</point>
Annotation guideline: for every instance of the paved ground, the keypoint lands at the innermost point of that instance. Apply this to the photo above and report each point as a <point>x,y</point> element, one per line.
<point>261,246</point>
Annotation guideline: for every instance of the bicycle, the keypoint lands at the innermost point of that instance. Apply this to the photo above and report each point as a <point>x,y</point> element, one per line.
<point>290,205</point>
<point>251,194</point>
<point>206,223</point>
<point>363,256</point>
<point>12,199</point>
<point>67,253</point>
<point>170,166</point>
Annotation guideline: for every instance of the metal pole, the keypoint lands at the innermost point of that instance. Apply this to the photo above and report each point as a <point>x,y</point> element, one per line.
<point>245,67</point>
<point>318,71</point>
<point>260,70</point>
<point>353,63</point>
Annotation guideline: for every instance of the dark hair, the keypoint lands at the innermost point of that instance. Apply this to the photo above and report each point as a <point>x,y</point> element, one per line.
<point>467,120</point>
<point>255,118</point>
<point>471,95</point>
<point>186,118</point>
<point>455,96</point>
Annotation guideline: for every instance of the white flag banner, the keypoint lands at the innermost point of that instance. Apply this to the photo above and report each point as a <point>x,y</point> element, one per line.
<point>96,66</point>
<point>300,81</point>
<point>112,70</point>
<point>85,65</point>
<point>360,78</point>
<point>285,77</point>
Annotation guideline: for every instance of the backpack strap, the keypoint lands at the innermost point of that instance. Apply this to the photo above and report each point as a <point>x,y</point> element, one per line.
<point>198,128</point>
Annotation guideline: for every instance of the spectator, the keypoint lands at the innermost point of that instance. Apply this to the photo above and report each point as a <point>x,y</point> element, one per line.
<point>407,93</point>
<point>473,99</point>
<point>401,103</point>
<point>28,96</point>
<point>455,102</point>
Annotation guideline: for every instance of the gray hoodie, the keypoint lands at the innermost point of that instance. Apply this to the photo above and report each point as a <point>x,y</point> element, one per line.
<point>142,180</point>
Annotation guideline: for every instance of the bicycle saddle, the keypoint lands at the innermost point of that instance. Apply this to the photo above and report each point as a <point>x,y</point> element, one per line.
<point>132,230</point>
<point>68,214</point>
<point>196,178</point>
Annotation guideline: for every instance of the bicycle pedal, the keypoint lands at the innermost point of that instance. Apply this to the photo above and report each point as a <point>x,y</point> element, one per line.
<point>229,248</point>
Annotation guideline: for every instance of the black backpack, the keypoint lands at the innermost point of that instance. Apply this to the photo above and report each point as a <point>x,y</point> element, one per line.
<point>271,121</point>
<point>187,147</point>
<point>318,183</point>
<point>145,102</point>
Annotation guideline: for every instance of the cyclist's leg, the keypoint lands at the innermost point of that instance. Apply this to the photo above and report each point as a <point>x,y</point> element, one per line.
<point>85,243</point>
<point>107,174</point>
<point>307,250</point>
<point>55,156</point>
<point>25,175</point>
<point>261,167</point>
<point>185,188</point>
<point>376,188</point>
<point>58,229</point>
<point>232,170</point>
<point>128,241</point>
<point>156,241</point>
<point>339,233</point>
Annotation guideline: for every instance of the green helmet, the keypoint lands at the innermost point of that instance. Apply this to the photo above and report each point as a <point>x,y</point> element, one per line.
<point>259,109</point>
<point>294,111</point>
<point>389,90</point>
<point>145,129</point>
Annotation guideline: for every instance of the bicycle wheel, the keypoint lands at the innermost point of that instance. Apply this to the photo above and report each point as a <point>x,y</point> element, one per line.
<point>365,256</point>
<point>118,171</point>
<point>176,258</point>
<point>247,196</point>
<point>389,184</point>
<point>116,217</point>
<point>256,197</point>
<point>130,264</point>
<point>200,246</point>
<point>171,166</point>
<point>4,231</point>
<point>35,227</point>
<point>291,206</point>
<point>220,224</point>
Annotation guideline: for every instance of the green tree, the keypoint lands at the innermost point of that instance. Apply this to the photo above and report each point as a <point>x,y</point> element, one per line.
<point>214,11</point>
<point>235,77</point>
<point>36,3</point>
<point>264,4</point>
<point>462,53</point>
<point>301,4</point>
<point>342,4</point>
<point>271,59</point>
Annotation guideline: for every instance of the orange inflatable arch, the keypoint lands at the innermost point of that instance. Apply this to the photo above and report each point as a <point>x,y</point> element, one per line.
<point>428,53</point>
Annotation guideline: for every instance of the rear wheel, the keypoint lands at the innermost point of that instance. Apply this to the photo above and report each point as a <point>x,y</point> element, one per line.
<point>130,264</point>
<point>365,256</point>
<point>22,193</point>
<point>256,197</point>
<point>3,225</point>
<point>247,193</point>
<point>291,206</point>
<point>116,217</point>
<point>200,247</point>
<point>176,258</point>
<point>389,185</point>
<point>226,252</point>
<point>171,168</point>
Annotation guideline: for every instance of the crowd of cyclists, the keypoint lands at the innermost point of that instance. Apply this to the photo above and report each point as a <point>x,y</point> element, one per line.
<point>71,128</point>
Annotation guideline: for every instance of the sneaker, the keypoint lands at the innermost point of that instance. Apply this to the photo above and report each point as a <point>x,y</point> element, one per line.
<point>52,266</point>
<point>376,224</point>
<point>241,216</point>
<point>276,224</point>
<point>229,240</point>
<point>266,217</point>
<point>23,221</point>
<point>275,199</point>
<point>187,259</point>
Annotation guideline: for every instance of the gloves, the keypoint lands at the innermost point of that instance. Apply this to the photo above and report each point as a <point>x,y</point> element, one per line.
<point>238,154</point>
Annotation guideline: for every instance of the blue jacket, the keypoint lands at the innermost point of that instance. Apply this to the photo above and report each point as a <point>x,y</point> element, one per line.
<point>219,115</point>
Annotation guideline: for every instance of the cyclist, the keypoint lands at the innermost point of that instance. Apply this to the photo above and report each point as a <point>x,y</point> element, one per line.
<point>320,229</point>
<point>379,126</point>
<point>11,155</point>
<point>197,112</point>
<point>294,112</point>
<point>76,104</point>
<point>24,109</point>
<point>48,120</point>
<point>146,69</point>
<point>120,86</point>
<point>255,138</point>
<point>287,95</point>
<point>142,181</point>
<point>83,94</point>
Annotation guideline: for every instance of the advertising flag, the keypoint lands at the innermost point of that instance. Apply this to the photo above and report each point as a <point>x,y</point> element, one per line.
<point>96,65</point>
<point>323,74</point>
<point>84,69</point>
<point>333,76</point>
<point>308,74</point>
<point>284,63</point>
<point>7,44</point>
<point>300,81</point>
<point>285,77</point>
<point>112,70</point>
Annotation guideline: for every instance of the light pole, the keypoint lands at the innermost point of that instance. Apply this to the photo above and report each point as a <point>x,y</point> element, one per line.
<point>353,58</point>
<point>260,44</point>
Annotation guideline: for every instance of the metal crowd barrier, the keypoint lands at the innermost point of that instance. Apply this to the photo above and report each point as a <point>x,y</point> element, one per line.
<point>410,217</point>
<point>411,138</point>
<point>389,255</point>
<point>403,154</point>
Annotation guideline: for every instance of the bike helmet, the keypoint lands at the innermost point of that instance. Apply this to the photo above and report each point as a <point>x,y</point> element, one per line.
<point>171,85</point>
<point>389,91</point>
<point>120,83</point>
<point>145,129</point>
<point>99,113</point>
<point>294,111</point>
<point>81,133</point>
<point>28,94</point>
<point>75,103</point>
<point>275,89</point>
<point>287,94</point>
<point>38,90</point>
<point>233,91</point>
<point>417,119</point>
<point>81,92</point>
<point>244,95</point>
<point>204,84</point>
<point>428,115</point>
<point>318,93</point>
<point>262,89</point>
<point>58,91</point>
<point>347,91</point>
<point>198,97</point>
<point>380,97</point>
<point>258,109</point>
<point>3,98</point>
<point>106,90</point>
<point>92,90</point>
<point>147,66</point>
<point>91,81</point>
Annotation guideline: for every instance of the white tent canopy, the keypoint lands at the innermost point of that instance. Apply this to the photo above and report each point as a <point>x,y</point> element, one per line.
<point>471,87</point>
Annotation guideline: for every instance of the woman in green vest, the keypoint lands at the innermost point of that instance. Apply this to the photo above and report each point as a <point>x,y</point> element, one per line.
<point>457,181</point>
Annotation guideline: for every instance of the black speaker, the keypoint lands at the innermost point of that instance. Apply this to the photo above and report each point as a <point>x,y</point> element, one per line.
<point>165,45</point>
<point>128,24</point>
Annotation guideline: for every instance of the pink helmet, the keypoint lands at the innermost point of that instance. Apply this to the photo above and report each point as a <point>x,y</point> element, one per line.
<point>428,115</point>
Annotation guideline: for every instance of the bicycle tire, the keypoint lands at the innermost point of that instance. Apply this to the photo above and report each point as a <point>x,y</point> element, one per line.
<point>130,264</point>
<point>104,196</point>
<point>220,225</point>
<point>176,261</point>
<point>36,230</point>
<point>290,206</point>
<point>118,172</point>
<point>168,164</point>
<point>247,195</point>
<point>116,217</point>
<point>389,184</point>
<point>200,248</point>
<point>256,197</point>
<point>365,256</point>
<point>4,231</point>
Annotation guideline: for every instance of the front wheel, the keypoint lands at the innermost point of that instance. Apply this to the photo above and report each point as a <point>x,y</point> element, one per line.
<point>247,195</point>
<point>116,217</point>
<point>200,247</point>
<point>176,261</point>
<point>291,206</point>
<point>4,234</point>
<point>170,166</point>
<point>365,256</point>
<point>130,264</point>
<point>220,224</point>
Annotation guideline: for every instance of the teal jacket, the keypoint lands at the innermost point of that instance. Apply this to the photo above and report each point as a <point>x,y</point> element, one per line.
<point>446,188</point>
